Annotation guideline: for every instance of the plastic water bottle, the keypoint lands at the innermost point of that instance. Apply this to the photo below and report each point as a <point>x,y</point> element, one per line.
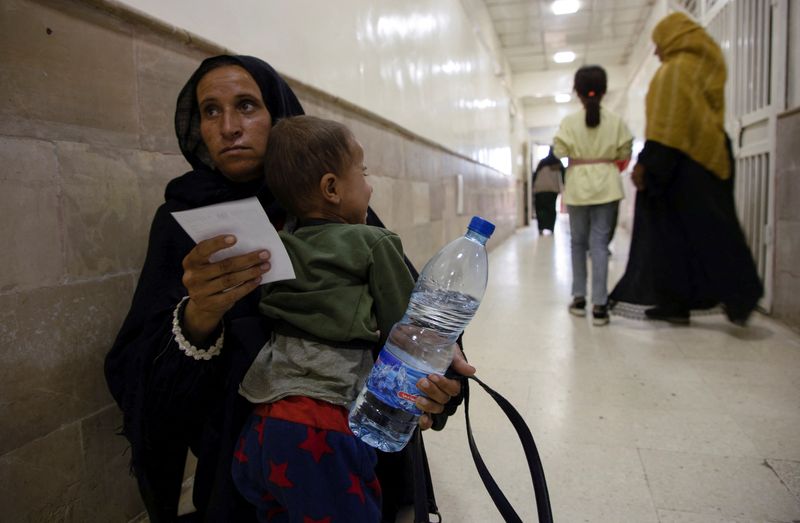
<point>444,300</point>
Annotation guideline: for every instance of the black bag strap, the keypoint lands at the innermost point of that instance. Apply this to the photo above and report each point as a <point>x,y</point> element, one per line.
<point>531,455</point>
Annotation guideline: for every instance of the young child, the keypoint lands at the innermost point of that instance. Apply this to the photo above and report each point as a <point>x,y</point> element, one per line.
<point>297,456</point>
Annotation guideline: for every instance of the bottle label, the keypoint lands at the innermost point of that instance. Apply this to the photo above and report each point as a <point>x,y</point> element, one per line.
<point>395,383</point>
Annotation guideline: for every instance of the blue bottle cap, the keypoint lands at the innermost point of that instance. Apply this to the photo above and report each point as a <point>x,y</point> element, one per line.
<point>481,226</point>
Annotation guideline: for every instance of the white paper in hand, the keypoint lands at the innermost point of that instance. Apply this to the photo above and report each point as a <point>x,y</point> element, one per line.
<point>246,220</point>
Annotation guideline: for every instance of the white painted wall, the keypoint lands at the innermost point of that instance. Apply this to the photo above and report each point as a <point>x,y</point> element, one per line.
<point>793,57</point>
<point>643,64</point>
<point>418,63</point>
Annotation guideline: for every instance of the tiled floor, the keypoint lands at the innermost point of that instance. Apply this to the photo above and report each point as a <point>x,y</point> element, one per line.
<point>635,421</point>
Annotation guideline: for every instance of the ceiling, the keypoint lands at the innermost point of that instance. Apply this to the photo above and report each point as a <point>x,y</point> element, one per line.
<point>600,32</point>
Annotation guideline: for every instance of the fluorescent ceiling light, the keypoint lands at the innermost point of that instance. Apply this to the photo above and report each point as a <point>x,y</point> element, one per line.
<point>477,104</point>
<point>565,7</point>
<point>564,57</point>
<point>562,98</point>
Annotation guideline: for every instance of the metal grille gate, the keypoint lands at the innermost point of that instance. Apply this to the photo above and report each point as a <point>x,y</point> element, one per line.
<point>752,35</point>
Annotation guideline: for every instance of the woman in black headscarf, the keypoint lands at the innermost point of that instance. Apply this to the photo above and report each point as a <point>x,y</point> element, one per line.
<point>185,345</point>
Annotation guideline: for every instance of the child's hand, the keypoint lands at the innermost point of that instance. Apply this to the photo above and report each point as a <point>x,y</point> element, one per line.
<point>439,389</point>
<point>425,422</point>
<point>461,366</point>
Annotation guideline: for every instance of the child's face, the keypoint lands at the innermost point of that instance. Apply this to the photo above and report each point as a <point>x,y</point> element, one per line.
<point>355,190</point>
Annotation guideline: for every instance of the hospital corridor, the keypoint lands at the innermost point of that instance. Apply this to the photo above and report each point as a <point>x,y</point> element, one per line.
<point>636,421</point>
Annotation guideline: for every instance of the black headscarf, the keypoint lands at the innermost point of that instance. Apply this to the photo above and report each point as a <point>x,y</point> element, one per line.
<point>550,159</point>
<point>205,185</point>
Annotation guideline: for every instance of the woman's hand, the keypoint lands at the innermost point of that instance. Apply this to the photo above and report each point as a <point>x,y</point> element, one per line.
<point>439,389</point>
<point>637,176</point>
<point>215,287</point>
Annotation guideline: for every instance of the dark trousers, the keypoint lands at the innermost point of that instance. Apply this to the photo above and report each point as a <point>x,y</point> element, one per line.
<point>545,205</point>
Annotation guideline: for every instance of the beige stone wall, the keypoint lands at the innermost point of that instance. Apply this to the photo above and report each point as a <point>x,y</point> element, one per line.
<point>786,285</point>
<point>86,148</point>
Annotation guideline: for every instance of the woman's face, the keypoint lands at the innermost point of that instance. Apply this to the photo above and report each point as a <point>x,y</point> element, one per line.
<point>234,122</point>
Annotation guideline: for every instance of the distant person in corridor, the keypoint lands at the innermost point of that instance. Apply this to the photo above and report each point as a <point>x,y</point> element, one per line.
<point>688,250</point>
<point>548,179</point>
<point>593,139</point>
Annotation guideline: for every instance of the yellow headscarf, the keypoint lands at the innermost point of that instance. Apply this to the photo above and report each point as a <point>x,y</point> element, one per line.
<point>685,106</point>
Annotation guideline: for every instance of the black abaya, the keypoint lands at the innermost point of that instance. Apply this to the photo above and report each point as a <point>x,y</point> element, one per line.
<point>545,205</point>
<point>688,251</point>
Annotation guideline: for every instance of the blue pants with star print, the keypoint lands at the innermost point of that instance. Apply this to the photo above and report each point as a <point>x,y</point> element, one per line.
<point>308,468</point>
